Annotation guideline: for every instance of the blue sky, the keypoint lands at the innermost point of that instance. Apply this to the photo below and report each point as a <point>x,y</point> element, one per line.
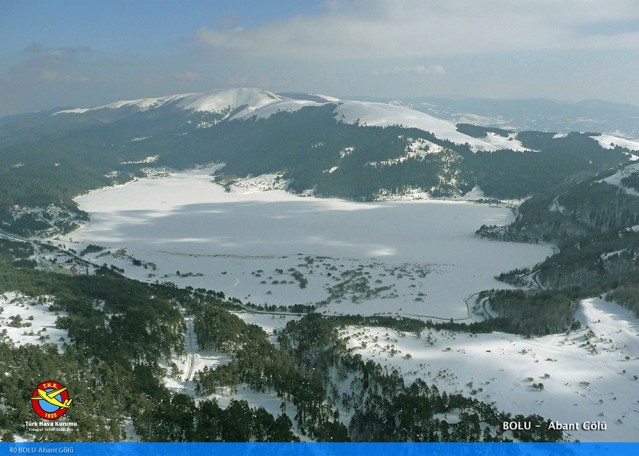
<point>130,25</point>
<point>83,53</point>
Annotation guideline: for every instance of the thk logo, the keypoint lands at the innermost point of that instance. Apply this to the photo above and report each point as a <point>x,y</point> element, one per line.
<point>50,400</point>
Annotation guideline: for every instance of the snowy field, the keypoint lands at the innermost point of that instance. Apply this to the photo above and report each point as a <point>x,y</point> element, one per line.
<point>417,258</point>
<point>588,375</point>
<point>27,320</point>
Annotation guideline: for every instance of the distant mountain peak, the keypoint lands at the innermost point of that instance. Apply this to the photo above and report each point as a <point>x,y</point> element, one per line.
<point>221,99</point>
<point>141,104</point>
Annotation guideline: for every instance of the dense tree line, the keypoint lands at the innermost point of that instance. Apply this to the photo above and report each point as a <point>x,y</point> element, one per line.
<point>534,313</point>
<point>257,363</point>
<point>178,418</point>
<point>477,131</point>
<point>628,296</point>
<point>558,164</point>
<point>591,225</point>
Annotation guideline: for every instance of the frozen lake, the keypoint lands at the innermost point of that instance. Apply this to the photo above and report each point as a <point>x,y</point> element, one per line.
<point>412,258</point>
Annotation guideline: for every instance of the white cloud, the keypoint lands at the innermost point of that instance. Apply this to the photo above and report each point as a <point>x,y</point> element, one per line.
<point>418,28</point>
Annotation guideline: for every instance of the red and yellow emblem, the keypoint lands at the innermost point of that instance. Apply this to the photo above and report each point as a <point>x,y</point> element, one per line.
<point>50,400</point>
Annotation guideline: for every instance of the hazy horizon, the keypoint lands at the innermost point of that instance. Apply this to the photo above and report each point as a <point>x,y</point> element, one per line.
<point>75,53</point>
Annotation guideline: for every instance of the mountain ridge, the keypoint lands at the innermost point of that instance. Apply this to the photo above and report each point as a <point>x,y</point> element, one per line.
<point>319,144</point>
<point>248,103</point>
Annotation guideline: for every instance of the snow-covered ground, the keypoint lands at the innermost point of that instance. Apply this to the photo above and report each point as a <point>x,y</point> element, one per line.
<point>608,141</point>
<point>268,322</point>
<point>588,375</point>
<point>475,194</point>
<point>27,320</point>
<point>383,114</point>
<point>142,104</point>
<point>556,207</point>
<point>617,178</point>
<point>180,376</point>
<point>416,149</point>
<point>196,359</point>
<point>180,379</point>
<point>413,258</point>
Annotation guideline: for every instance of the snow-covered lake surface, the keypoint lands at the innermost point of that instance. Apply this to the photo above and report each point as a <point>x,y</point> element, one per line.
<point>413,258</point>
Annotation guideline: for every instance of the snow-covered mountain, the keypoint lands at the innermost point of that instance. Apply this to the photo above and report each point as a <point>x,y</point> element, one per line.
<point>253,103</point>
<point>249,103</point>
<point>316,144</point>
<point>385,114</point>
<point>216,101</point>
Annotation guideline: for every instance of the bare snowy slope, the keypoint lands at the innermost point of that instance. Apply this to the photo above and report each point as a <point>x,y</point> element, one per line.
<point>221,100</point>
<point>384,114</point>
<point>623,178</point>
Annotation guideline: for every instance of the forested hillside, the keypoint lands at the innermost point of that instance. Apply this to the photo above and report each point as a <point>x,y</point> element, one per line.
<point>311,148</point>
<point>595,225</point>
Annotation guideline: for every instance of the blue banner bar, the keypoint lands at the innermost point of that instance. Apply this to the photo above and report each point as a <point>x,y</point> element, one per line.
<point>322,449</point>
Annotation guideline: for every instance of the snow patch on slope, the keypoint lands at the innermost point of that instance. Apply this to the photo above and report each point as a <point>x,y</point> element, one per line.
<point>556,207</point>
<point>261,183</point>
<point>384,115</point>
<point>147,160</point>
<point>610,142</point>
<point>327,98</point>
<point>142,104</point>
<point>268,110</point>
<point>223,99</point>
<point>346,151</point>
<point>475,194</point>
<point>416,149</point>
<point>26,320</point>
<point>616,178</point>
<point>508,142</point>
<point>408,194</point>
